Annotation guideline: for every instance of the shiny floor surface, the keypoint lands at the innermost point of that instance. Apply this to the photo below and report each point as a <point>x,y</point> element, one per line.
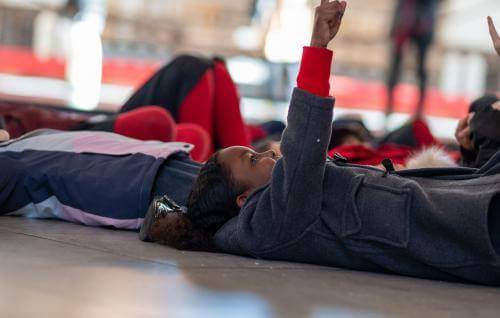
<point>55,269</point>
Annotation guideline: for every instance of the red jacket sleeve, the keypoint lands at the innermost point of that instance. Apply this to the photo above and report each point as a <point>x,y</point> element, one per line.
<point>314,73</point>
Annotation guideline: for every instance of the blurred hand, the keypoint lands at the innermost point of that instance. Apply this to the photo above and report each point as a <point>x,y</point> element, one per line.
<point>462,133</point>
<point>327,20</point>
<point>494,35</point>
<point>496,106</point>
<point>4,135</point>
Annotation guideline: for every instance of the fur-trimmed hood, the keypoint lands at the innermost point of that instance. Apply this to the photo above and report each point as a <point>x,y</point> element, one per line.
<point>432,157</point>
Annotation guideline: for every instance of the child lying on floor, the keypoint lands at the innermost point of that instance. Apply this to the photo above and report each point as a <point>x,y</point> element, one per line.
<point>433,223</point>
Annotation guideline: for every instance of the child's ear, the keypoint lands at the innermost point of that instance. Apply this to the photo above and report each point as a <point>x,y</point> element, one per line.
<point>242,198</point>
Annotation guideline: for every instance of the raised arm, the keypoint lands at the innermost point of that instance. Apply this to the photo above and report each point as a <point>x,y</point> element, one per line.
<point>495,38</point>
<point>306,138</point>
<point>281,211</point>
<point>293,200</point>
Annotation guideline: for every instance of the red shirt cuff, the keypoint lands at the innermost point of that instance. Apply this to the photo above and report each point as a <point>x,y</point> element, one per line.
<point>314,73</point>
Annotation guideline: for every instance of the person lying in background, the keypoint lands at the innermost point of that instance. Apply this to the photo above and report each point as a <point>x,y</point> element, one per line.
<point>439,224</point>
<point>91,177</point>
<point>192,90</point>
<point>191,99</point>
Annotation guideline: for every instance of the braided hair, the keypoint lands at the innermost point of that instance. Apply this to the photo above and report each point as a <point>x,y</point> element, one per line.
<point>212,201</point>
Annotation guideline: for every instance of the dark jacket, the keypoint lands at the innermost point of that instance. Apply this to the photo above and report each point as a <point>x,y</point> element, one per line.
<point>430,223</point>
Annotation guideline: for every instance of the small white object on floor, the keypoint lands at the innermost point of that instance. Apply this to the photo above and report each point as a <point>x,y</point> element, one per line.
<point>4,135</point>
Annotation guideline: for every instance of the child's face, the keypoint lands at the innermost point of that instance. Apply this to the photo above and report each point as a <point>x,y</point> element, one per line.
<point>248,167</point>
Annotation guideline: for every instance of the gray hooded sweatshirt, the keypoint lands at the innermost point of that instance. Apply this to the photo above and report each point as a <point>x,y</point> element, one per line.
<point>430,223</point>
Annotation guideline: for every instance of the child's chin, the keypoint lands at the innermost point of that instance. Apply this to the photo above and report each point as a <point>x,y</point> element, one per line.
<point>271,167</point>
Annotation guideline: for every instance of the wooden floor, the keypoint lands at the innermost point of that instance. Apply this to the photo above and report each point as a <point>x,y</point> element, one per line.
<point>56,269</point>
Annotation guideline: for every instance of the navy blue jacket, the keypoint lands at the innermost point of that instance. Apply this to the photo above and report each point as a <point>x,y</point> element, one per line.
<point>92,178</point>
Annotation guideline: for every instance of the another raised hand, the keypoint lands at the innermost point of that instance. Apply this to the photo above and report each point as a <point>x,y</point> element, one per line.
<point>494,35</point>
<point>4,135</point>
<point>462,133</point>
<point>327,20</point>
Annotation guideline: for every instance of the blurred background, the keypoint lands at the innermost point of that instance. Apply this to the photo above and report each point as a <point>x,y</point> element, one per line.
<point>92,54</point>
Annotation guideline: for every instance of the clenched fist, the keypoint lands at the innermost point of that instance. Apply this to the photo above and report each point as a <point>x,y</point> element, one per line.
<point>327,20</point>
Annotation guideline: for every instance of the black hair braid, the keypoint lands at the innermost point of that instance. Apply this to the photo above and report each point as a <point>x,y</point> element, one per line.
<point>212,201</point>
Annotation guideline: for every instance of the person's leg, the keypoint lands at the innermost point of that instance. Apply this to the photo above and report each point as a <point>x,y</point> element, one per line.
<point>185,88</point>
<point>229,127</point>
<point>170,85</point>
<point>197,136</point>
<point>396,57</point>
<point>146,123</point>
<point>422,43</point>
<point>198,106</point>
<point>19,119</point>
